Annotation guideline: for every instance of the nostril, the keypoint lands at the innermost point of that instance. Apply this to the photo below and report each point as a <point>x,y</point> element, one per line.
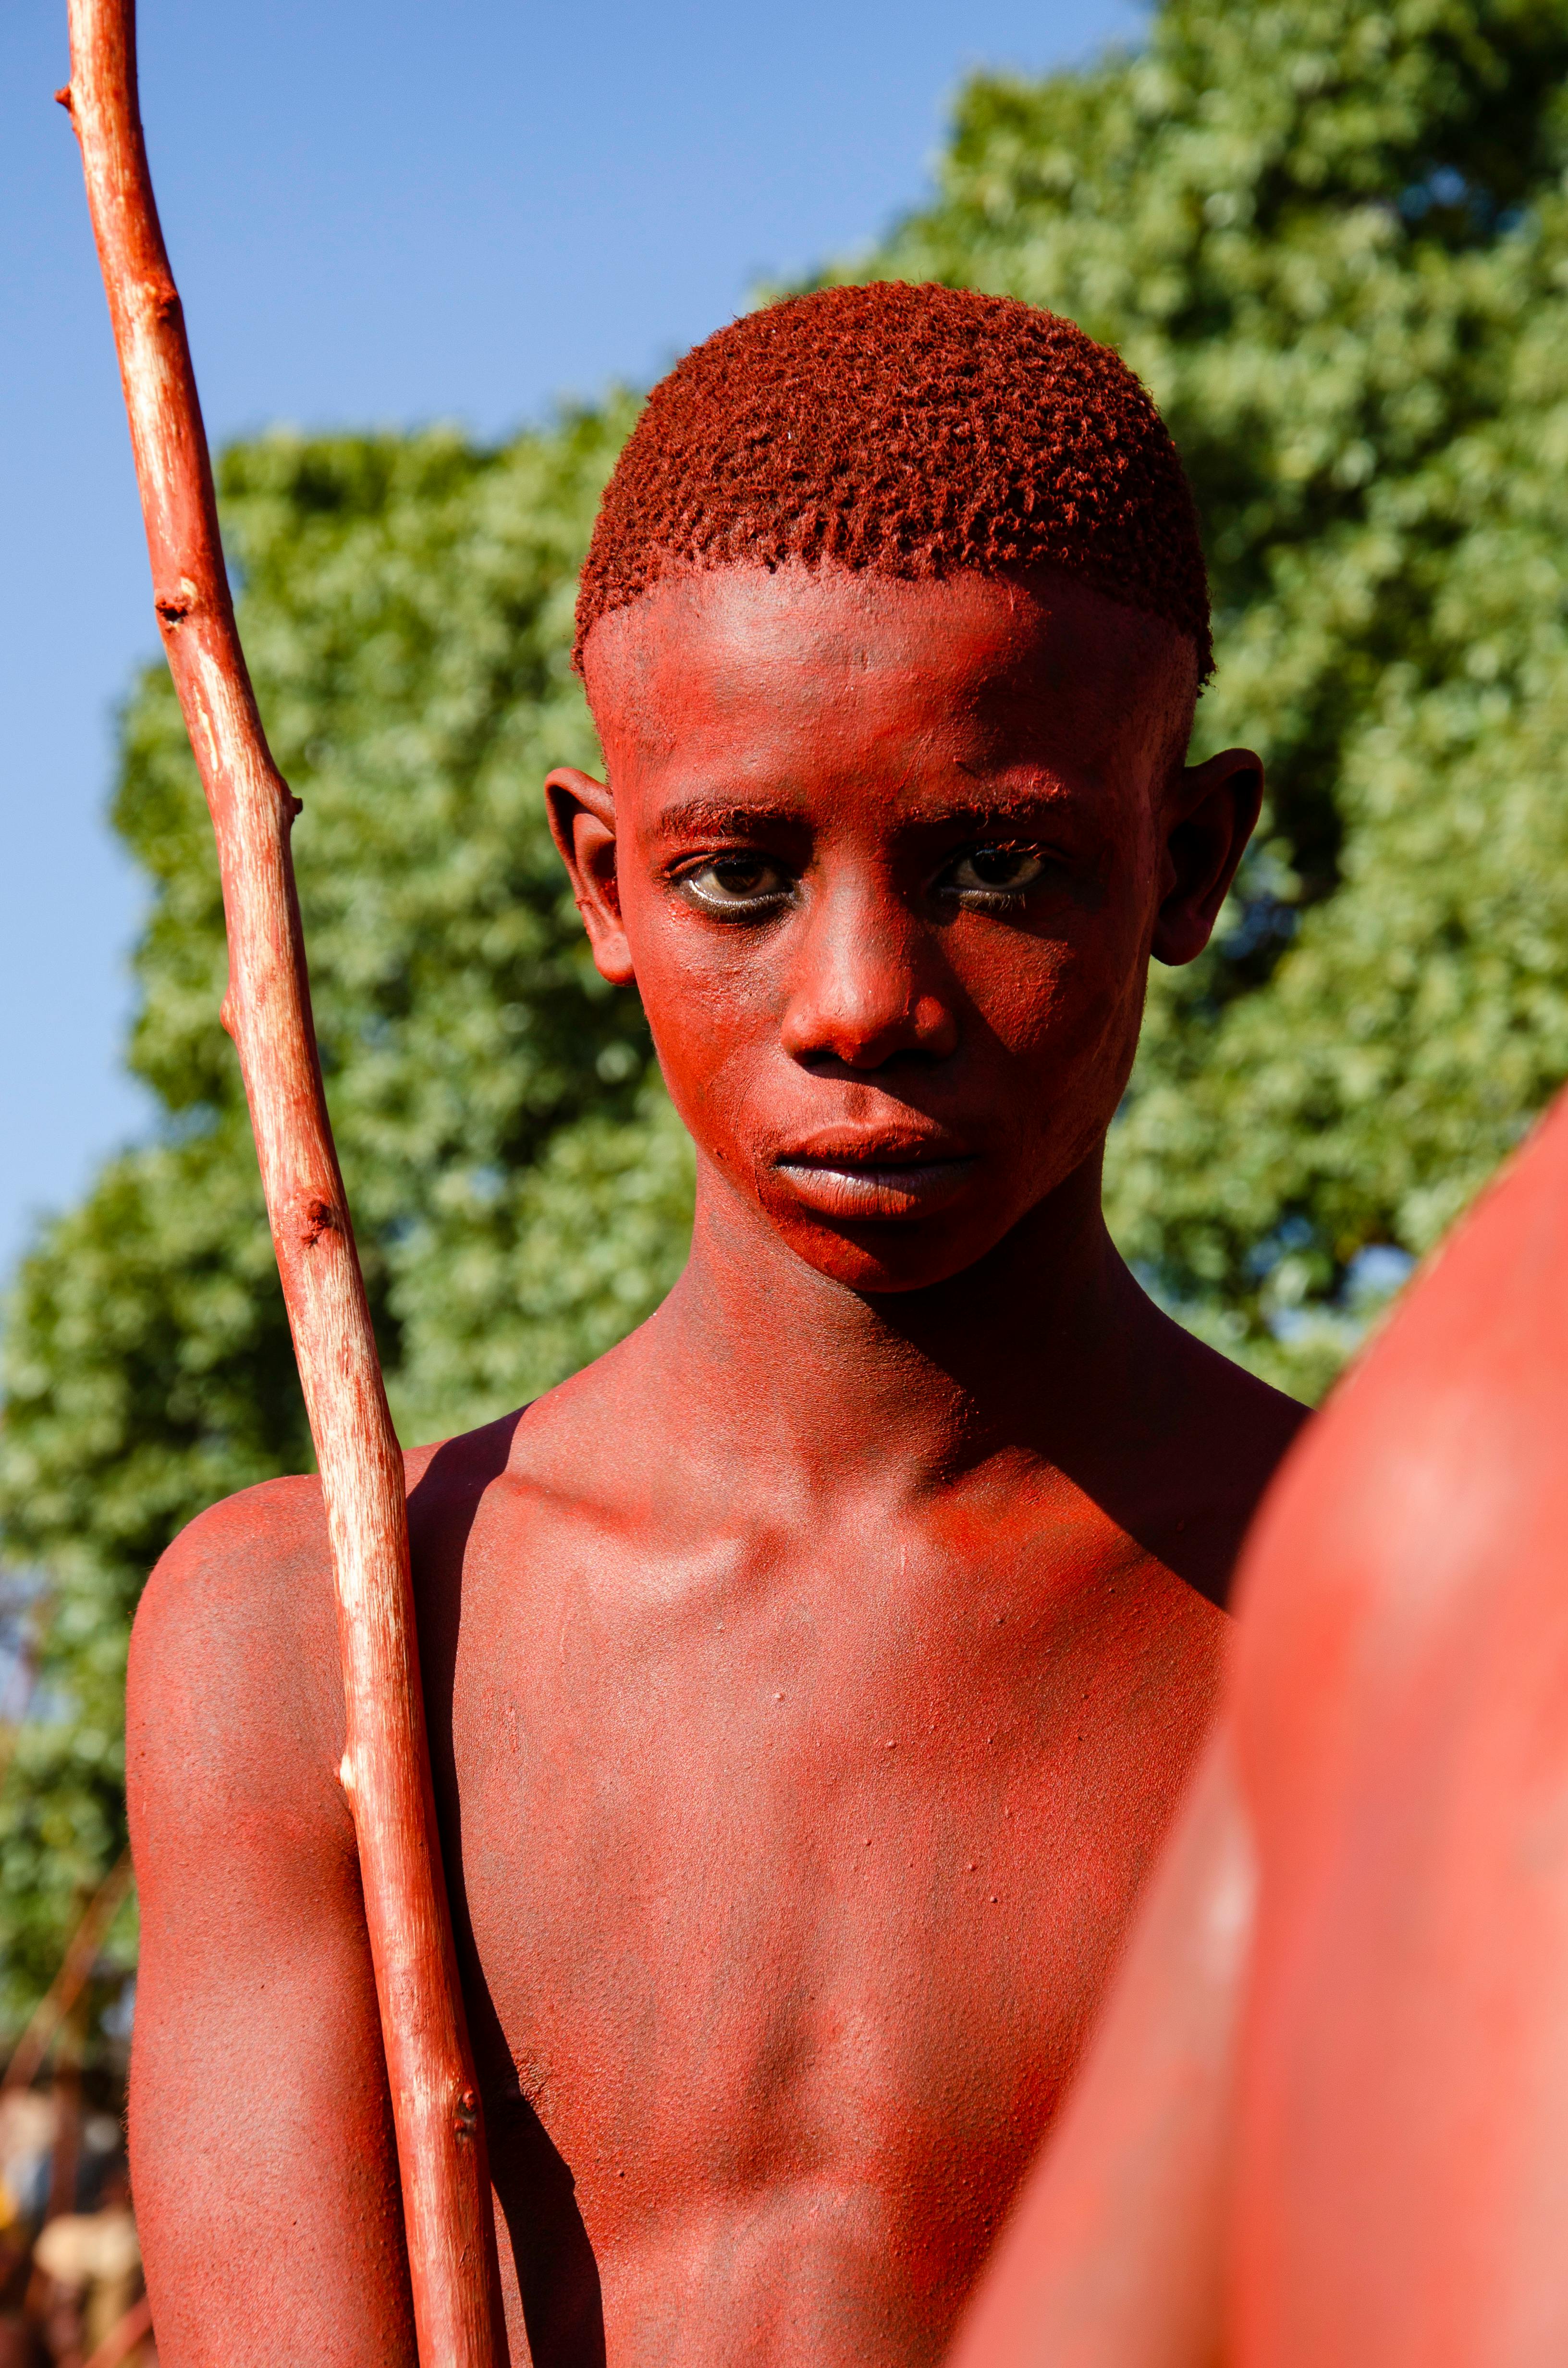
<point>863,995</point>
<point>922,1040</point>
<point>866,1039</point>
<point>907,1058</point>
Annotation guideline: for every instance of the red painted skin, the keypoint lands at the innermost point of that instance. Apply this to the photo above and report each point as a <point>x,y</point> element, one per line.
<point>810,1680</point>
<point>1114,2256</point>
<point>1334,2128</point>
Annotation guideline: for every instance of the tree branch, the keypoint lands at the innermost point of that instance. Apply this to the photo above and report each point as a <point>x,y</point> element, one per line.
<point>81,1955</point>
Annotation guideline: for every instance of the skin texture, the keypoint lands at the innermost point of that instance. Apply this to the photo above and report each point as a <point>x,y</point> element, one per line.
<point>810,1680</point>
<point>1401,2164</point>
<point>1363,2154</point>
<point>1115,2249</point>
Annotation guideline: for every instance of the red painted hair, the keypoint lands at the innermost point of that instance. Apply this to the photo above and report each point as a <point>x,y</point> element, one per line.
<point>911,430</point>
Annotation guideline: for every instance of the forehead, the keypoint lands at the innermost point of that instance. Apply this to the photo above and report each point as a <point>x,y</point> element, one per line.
<point>806,672</point>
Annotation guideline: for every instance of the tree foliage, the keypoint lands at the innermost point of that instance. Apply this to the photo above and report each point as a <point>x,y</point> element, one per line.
<point>1334,239</point>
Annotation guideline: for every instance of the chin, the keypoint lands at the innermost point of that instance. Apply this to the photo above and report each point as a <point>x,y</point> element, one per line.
<point>890,1256</point>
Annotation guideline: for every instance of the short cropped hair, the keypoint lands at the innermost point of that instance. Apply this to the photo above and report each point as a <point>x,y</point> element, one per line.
<point>913,431</point>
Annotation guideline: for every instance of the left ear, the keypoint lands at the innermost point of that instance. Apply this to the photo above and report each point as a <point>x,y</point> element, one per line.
<point>1210,812</point>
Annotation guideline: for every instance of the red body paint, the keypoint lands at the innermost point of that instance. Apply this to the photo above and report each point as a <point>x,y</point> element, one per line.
<point>950,432</point>
<point>1403,1744</point>
<point>809,1681</point>
<point>1334,2128</point>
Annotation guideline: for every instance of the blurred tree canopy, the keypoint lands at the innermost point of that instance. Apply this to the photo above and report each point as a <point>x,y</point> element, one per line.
<point>1334,239</point>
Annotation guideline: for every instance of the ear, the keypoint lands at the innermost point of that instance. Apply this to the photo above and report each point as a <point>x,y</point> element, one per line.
<point>581,822</point>
<point>1210,812</point>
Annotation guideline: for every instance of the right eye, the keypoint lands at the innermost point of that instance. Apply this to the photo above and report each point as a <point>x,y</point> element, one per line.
<point>995,874</point>
<point>740,886</point>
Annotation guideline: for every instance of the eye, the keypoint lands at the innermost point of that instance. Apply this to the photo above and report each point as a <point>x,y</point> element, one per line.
<point>741,886</point>
<point>995,875</point>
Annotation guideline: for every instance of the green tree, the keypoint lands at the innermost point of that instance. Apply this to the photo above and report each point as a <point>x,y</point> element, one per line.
<point>1333,238</point>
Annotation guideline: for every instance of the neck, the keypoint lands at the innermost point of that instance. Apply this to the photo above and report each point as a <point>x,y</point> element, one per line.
<point>779,1368</point>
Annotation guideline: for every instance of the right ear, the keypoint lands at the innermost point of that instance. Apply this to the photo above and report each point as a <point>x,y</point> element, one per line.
<point>581,822</point>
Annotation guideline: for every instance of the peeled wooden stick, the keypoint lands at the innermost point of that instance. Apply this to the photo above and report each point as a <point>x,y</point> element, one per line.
<point>267,1011</point>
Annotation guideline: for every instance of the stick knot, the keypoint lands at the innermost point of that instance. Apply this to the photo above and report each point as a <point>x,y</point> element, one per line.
<point>175,607</point>
<point>321,1218</point>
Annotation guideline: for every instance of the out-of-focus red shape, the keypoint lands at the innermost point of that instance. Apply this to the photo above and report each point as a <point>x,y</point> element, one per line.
<point>1339,2138</point>
<point>1403,1729</point>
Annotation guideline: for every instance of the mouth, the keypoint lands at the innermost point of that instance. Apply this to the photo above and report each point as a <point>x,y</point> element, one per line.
<point>886,1178</point>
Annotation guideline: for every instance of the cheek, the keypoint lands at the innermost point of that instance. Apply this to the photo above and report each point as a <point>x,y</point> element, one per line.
<point>1048,1024</point>
<point>710,1006</point>
<point>1061,1000</point>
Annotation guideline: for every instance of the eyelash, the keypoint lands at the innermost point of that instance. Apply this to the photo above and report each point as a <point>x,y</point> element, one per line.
<point>743,909</point>
<point>995,898</point>
<point>982,897</point>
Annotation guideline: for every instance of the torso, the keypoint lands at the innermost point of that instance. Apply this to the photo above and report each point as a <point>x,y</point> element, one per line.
<point>787,1871</point>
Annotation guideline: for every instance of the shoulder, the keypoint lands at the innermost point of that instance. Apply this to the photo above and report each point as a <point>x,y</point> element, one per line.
<point>447,1482</point>
<point>235,1650</point>
<point>232,1675</point>
<point>253,1563</point>
<point>1218,1434</point>
<point>1259,1420</point>
<point>233,1737</point>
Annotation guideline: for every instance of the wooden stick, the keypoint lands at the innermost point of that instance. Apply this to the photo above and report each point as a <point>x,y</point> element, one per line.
<point>80,1957</point>
<point>123,2337</point>
<point>385,1771</point>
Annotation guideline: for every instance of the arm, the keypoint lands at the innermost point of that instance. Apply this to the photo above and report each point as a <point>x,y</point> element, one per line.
<point>1112,2257</point>
<point>262,2149</point>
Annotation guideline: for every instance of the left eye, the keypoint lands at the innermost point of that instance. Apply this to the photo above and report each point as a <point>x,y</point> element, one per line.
<point>996,871</point>
<point>742,883</point>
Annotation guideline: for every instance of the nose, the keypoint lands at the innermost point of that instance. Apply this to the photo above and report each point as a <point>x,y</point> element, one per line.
<point>868,984</point>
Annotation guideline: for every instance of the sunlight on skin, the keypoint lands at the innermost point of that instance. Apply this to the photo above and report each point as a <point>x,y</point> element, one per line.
<point>1324,2116</point>
<point>812,1679</point>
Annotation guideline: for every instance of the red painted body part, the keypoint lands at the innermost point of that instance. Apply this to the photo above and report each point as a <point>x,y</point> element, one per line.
<point>1403,1731</point>
<point>914,432</point>
<point>1375,2085</point>
<point>1113,2256</point>
<point>811,1681</point>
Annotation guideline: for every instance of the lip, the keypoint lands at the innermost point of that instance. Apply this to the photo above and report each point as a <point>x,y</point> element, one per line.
<point>896,1177</point>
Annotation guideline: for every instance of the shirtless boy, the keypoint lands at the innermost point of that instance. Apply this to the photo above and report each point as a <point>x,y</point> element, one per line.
<point>809,1680</point>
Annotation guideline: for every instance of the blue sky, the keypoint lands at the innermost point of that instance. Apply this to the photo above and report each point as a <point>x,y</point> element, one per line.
<point>381,214</point>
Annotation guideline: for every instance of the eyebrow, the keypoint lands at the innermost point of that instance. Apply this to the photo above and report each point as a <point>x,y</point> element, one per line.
<point>725,817</point>
<point>699,817</point>
<point>1023,806</point>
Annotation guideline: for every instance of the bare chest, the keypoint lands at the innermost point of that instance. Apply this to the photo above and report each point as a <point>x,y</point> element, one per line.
<point>790,1893</point>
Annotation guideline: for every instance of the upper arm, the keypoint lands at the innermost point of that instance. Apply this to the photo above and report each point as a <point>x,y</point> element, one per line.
<point>262,2149</point>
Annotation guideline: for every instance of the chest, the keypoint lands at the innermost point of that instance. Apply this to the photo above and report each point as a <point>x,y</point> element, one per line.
<point>779,1874</point>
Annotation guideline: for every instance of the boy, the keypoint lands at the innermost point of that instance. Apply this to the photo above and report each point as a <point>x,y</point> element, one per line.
<point>810,1680</point>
